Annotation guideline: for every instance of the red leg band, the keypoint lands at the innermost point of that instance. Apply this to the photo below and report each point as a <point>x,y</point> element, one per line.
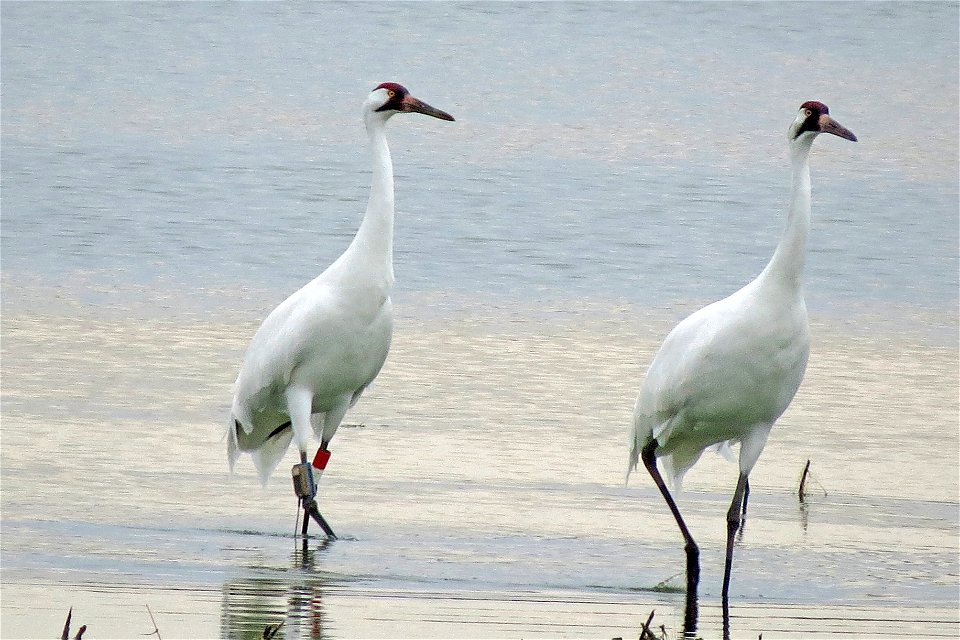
<point>320,460</point>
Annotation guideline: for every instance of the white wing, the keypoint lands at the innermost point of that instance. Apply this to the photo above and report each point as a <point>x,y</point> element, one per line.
<point>729,367</point>
<point>329,339</point>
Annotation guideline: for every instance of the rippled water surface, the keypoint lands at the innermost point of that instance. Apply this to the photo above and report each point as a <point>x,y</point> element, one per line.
<point>171,172</point>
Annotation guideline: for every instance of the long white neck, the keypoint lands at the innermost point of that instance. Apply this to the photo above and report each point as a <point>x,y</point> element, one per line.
<point>373,244</point>
<point>786,266</point>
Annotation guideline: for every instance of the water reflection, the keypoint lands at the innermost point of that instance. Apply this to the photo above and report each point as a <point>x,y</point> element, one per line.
<point>691,613</point>
<point>268,597</point>
<point>804,510</point>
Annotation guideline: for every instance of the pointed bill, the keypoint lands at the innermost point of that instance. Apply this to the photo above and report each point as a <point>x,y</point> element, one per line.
<point>829,125</point>
<point>413,105</point>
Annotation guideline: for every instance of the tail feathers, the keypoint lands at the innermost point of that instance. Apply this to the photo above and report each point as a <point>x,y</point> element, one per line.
<point>640,435</point>
<point>676,464</point>
<point>673,473</point>
<point>633,460</point>
<point>673,465</point>
<point>680,456</point>
<point>233,447</point>
<point>725,450</point>
<point>266,457</point>
<point>649,425</point>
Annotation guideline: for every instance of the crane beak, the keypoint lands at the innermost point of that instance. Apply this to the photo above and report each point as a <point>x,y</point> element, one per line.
<point>829,125</point>
<point>412,105</point>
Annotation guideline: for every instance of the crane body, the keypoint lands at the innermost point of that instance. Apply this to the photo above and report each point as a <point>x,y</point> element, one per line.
<point>716,379</point>
<point>727,372</point>
<point>317,351</point>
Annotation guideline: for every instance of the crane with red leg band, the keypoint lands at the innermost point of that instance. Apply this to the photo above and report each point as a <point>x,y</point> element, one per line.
<point>314,355</point>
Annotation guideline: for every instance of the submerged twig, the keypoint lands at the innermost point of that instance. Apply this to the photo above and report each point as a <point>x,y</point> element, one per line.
<point>664,586</point>
<point>272,630</point>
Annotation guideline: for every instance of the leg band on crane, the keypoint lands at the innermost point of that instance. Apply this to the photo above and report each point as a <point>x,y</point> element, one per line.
<point>320,460</point>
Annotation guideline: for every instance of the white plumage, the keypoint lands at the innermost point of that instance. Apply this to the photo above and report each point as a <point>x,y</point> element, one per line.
<point>726,373</point>
<point>723,376</point>
<point>314,354</point>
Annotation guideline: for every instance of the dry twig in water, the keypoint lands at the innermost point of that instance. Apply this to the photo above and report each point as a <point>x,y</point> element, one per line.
<point>645,633</point>
<point>802,493</point>
<point>66,628</point>
<point>156,629</point>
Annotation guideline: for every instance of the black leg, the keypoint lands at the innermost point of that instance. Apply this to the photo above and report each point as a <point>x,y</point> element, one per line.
<point>306,489</point>
<point>746,496</point>
<point>743,512</point>
<point>312,511</point>
<point>306,518</point>
<point>737,507</point>
<point>649,457</point>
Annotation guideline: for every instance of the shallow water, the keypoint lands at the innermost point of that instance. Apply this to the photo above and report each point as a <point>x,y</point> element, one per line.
<point>518,525</point>
<point>170,176</point>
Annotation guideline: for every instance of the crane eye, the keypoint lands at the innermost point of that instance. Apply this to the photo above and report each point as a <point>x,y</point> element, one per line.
<point>807,112</point>
<point>391,93</point>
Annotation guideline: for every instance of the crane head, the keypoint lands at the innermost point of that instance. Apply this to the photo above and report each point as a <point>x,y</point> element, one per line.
<point>814,117</point>
<point>390,98</point>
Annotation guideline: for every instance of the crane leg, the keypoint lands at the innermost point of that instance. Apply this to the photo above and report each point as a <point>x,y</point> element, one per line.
<point>305,487</point>
<point>743,512</point>
<point>737,507</point>
<point>312,511</point>
<point>649,457</point>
